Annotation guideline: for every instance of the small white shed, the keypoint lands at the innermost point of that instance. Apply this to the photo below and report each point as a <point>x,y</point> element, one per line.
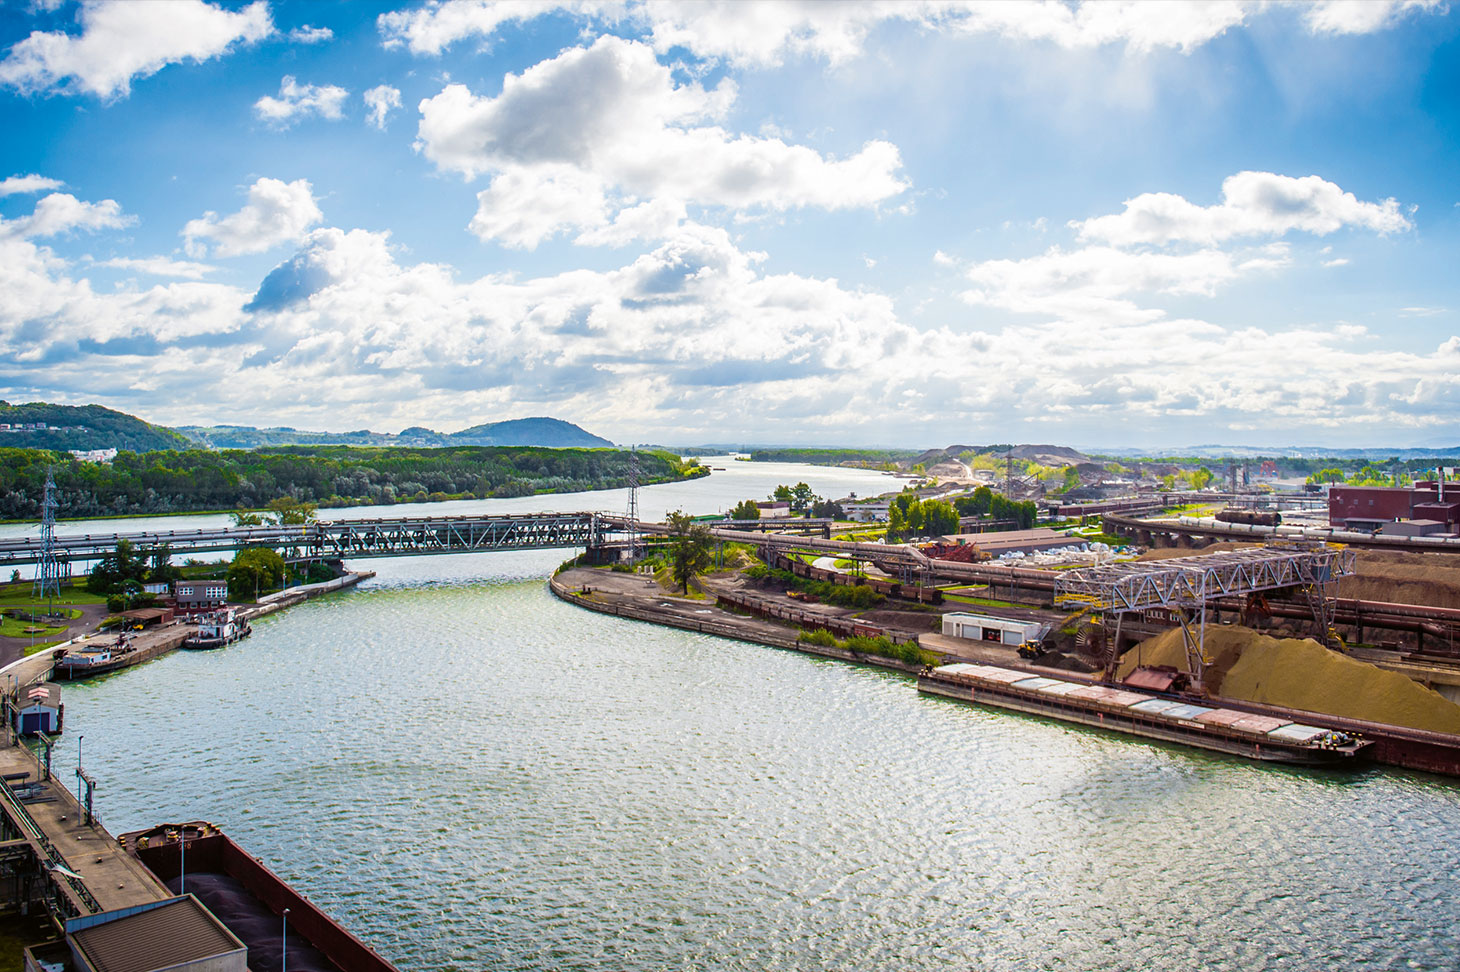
<point>984,627</point>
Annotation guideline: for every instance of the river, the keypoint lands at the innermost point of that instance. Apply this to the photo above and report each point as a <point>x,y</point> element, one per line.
<point>472,775</point>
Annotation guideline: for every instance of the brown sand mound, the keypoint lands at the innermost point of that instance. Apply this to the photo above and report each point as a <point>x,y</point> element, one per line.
<point>1171,553</point>
<point>1405,578</point>
<point>1302,674</point>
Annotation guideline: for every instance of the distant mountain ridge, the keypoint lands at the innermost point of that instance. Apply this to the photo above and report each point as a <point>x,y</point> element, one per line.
<point>41,425</point>
<point>538,431</point>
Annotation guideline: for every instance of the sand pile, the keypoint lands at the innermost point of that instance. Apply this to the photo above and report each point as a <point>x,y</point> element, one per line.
<point>1405,578</point>
<point>1171,553</point>
<point>1302,674</point>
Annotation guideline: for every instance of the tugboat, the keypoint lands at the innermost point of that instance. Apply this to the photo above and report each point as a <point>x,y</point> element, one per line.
<point>217,629</point>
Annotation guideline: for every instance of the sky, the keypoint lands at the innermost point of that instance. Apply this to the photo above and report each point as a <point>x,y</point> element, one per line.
<point>904,224</point>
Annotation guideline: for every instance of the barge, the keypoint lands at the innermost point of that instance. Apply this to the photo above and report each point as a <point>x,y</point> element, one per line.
<point>1186,721</point>
<point>86,658</point>
<point>199,859</point>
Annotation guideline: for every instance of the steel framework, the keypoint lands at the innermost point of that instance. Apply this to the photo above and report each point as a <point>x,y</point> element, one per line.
<point>1185,585</point>
<point>48,570</point>
<point>321,540</point>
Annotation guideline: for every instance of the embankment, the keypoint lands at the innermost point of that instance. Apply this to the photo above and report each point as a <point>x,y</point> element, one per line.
<point>569,586</point>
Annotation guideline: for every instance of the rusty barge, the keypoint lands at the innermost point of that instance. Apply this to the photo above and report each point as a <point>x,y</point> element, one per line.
<point>254,903</point>
<point>1189,722</point>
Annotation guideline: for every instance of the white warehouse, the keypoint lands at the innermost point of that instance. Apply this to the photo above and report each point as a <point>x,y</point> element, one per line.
<point>982,627</point>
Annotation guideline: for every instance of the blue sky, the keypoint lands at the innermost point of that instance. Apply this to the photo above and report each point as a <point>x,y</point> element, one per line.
<point>911,223</point>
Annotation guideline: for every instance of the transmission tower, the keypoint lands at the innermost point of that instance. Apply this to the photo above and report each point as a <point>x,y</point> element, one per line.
<point>633,513</point>
<point>48,571</point>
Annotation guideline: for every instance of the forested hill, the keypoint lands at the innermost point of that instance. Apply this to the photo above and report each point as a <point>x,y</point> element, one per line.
<point>869,458</point>
<point>514,432</point>
<point>81,427</point>
<point>198,479</point>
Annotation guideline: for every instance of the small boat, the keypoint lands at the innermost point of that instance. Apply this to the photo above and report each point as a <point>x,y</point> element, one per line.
<point>1180,720</point>
<point>217,629</point>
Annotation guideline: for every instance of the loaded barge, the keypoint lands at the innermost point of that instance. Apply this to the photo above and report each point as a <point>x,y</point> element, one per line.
<point>252,901</point>
<point>1186,721</point>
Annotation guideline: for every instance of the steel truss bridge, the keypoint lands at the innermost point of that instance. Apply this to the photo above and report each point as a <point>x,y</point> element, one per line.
<point>338,539</point>
<point>1185,585</point>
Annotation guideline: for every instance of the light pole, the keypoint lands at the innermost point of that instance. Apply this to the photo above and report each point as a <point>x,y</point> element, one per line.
<point>284,943</point>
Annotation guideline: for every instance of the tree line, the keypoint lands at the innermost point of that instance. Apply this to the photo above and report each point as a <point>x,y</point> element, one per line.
<point>329,476</point>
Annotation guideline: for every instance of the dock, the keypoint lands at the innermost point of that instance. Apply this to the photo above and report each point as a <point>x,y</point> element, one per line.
<point>46,828</point>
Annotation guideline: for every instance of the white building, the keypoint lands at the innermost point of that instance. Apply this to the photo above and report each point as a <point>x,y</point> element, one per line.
<point>984,627</point>
<point>873,511</point>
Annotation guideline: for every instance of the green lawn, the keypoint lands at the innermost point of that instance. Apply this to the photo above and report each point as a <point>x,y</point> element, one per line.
<point>18,595</point>
<point>14,628</point>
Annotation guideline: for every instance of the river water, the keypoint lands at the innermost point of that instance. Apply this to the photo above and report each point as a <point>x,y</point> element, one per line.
<point>472,775</point>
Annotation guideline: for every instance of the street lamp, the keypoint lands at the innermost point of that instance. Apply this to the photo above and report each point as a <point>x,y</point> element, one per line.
<point>284,944</point>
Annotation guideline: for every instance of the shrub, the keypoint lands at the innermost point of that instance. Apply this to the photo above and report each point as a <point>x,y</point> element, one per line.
<point>818,636</point>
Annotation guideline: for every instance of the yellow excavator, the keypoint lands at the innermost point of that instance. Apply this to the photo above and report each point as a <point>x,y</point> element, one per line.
<point>1033,649</point>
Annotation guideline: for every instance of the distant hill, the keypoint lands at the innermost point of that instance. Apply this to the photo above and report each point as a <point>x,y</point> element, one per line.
<point>549,432</point>
<point>64,427</point>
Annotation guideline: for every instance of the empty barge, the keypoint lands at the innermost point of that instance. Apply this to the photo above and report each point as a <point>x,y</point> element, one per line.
<point>1188,722</point>
<point>251,900</point>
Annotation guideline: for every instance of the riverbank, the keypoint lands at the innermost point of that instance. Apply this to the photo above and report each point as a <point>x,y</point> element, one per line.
<point>639,597</point>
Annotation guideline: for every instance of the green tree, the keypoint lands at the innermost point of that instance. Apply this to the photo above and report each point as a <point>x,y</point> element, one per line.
<point>1202,478</point>
<point>1327,476</point>
<point>288,511</point>
<point>689,548</point>
<point>116,569</point>
<point>826,509</point>
<point>939,518</point>
<point>782,494</point>
<point>246,518</point>
<point>801,498</point>
<point>745,510</point>
<point>254,570</point>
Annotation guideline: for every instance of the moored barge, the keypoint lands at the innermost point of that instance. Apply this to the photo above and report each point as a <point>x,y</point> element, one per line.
<point>1185,721</point>
<point>253,902</point>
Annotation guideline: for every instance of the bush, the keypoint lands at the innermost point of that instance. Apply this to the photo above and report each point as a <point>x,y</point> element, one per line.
<point>818,636</point>
<point>115,603</point>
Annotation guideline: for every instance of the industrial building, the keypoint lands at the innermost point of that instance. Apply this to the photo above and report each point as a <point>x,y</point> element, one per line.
<point>1377,508</point>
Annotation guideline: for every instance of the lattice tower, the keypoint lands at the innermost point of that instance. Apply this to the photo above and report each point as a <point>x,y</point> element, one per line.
<point>48,570</point>
<point>633,511</point>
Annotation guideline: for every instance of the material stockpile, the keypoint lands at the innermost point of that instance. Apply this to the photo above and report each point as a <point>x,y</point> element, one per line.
<point>1301,674</point>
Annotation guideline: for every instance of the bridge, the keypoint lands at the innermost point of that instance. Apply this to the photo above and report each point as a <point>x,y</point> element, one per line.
<point>338,539</point>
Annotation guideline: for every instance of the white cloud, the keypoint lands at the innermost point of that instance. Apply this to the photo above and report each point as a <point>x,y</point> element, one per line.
<point>1253,204</point>
<point>614,114</point>
<point>764,33</point>
<point>276,212</point>
<point>1336,262</point>
<point>297,101</point>
<point>17,184</point>
<point>695,333</point>
<point>1096,283</point>
<point>1360,16</point>
<point>523,206</point>
<point>435,26</point>
<point>381,100</point>
<point>61,212</point>
<point>123,41</point>
<point>942,259</point>
<point>160,266</point>
<point>311,35</point>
